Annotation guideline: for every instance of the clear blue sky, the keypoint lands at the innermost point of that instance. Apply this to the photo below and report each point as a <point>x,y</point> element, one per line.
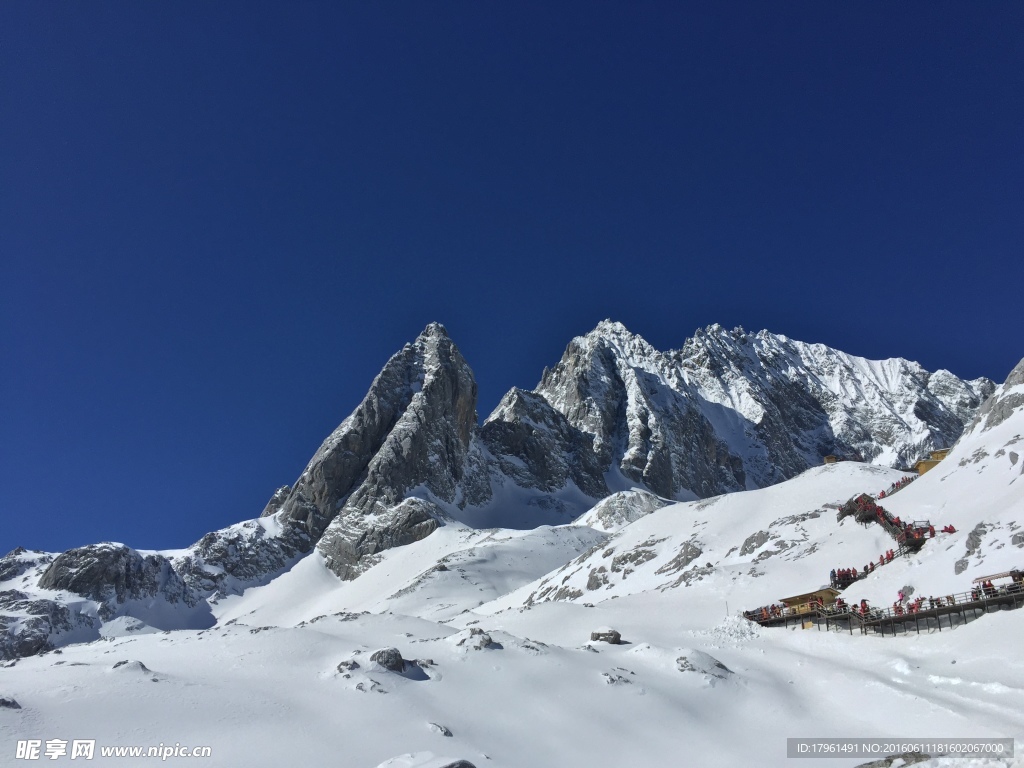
<point>218,220</point>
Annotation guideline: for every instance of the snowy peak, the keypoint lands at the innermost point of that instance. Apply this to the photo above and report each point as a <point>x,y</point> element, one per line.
<point>614,335</point>
<point>427,376</point>
<point>429,395</point>
<point>614,419</point>
<point>733,410</point>
<point>433,331</point>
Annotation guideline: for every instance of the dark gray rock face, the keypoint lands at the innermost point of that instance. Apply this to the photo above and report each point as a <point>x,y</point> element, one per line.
<point>112,574</point>
<point>413,428</point>
<point>471,639</point>
<point>7,703</point>
<point>428,394</point>
<point>754,542</point>
<point>731,410</point>
<point>277,501</point>
<point>648,431</point>
<point>606,635</point>
<point>354,540</point>
<point>374,483</point>
<point>537,447</point>
<point>383,448</point>
<point>974,539</point>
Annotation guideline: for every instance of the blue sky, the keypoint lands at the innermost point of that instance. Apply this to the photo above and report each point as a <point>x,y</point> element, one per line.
<point>218,220</point>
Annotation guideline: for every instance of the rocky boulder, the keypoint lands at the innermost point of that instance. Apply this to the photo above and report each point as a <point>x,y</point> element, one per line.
<point>471,639</point>
<point>389,658</point>
<point>606,635</point>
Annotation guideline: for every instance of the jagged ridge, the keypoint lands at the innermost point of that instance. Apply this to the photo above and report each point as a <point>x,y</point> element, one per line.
<point>727,411</point>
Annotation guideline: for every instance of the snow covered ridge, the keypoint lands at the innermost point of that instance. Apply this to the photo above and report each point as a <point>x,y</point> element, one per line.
<point>614,420</point>
<point>476,646</point>
<point>758,408</point>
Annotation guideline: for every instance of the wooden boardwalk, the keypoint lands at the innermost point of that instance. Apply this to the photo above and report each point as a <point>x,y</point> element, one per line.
<point>926,613</point>
<point>956,609</point>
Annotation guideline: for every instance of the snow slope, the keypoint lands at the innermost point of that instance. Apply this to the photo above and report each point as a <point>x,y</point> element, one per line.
<point>748,548</point>
<point>286,673</point>
<point>498,666</point>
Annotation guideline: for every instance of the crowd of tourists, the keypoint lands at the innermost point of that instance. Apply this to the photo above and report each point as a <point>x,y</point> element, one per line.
<point>901,483</point>
<point>766,612</point>
<point>904,530</point>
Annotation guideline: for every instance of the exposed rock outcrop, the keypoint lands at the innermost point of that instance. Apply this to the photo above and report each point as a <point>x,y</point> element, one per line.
<point>420,419</point>
<point>19,561</point>
<point>31,625</point>
<point>228,561</point>
<point>606,635</point>
<point>537,447</point>
<point>620,509</point>
<point>112,574</point>
<point>389,658</point>
<point>731,410</point>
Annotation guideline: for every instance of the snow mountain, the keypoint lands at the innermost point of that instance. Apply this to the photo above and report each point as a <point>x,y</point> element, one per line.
<point>615,421</point>
<point>475,646</point>
<point>737,411</point>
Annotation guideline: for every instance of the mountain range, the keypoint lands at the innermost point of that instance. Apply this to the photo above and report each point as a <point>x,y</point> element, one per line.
<point>615,429</point>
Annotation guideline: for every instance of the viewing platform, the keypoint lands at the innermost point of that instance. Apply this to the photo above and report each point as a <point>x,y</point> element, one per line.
<point>922,613</point>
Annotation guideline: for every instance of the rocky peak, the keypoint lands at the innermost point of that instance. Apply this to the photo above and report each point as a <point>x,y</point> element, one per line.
<point>616,338</point>
<point>771,406</point>
<point>430,371</point>
<point>1015,377</point>
<point>412,432</point>
<point>433,331</point>
<point>424,443</point>
<point>634,402</point>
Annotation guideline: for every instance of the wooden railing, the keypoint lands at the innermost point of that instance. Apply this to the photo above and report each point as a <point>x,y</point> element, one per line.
<point>944,603</point>
<point>930,607</point>
<point>896,488</point>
